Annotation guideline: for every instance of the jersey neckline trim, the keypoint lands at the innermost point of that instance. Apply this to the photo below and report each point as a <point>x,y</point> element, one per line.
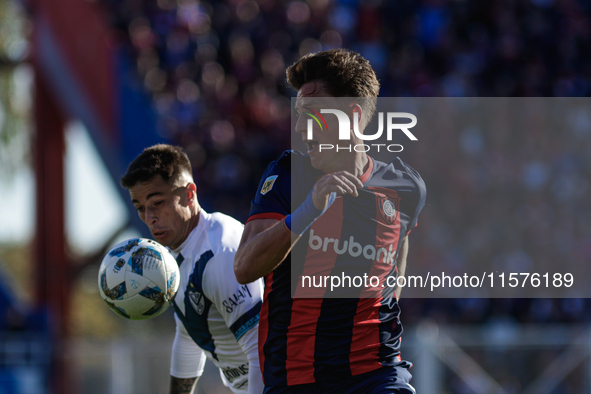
<point>367,174</point>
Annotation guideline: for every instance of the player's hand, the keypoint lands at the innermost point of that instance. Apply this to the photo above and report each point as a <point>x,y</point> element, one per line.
<point>341,183</point>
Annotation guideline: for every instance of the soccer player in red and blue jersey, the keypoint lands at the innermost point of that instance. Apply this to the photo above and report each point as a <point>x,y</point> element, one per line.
<point>342,211</point>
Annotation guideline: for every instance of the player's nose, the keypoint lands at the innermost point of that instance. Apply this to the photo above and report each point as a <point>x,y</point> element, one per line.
<point>151,217</point>
<point>301,126</point>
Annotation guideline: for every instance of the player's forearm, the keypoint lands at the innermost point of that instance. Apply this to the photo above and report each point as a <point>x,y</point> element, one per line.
<point>262,249</point>
<point>182,386</point>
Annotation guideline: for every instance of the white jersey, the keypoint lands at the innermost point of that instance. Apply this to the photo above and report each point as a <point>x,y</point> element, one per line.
<point>214,311</point>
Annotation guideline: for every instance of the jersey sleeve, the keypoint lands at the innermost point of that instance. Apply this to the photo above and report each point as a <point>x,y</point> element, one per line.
<point>272,199</point>
<point>249,345</point>
<point>420,195</point>
<point>238,304</point>
<point>188,359</point>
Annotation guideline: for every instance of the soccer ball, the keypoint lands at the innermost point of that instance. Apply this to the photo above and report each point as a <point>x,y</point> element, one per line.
<point>138,278</point>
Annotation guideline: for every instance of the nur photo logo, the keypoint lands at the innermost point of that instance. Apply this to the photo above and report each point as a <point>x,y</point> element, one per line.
<point>345,129</point>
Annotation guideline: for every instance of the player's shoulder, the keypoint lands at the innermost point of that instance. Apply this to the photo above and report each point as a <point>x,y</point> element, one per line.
<point>223,231</point>
<point>222,234</point>
<point>223,222</point>
<point>281,173</point>
<point>397,174</point>
<point>290,160</point>
<point>217,274</point>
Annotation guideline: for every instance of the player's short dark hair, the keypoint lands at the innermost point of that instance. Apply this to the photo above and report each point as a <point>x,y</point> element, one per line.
<point>168,161</point>
<point>345,73</point>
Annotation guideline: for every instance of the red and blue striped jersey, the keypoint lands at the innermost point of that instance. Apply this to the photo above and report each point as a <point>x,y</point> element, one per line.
<point>307,340</point>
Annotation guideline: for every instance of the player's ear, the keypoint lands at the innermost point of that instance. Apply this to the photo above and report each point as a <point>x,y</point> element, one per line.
<point>191,191</point>
<point>355,108</point>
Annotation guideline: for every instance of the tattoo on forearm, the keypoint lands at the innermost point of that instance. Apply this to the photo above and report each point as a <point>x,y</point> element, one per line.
<point>182,386</point>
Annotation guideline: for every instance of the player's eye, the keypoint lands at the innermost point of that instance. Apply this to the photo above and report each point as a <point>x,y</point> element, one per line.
<point>156,203</point>
<point>139,209</point>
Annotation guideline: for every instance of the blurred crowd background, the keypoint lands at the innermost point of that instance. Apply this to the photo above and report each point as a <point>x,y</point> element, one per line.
<point>215,73</point>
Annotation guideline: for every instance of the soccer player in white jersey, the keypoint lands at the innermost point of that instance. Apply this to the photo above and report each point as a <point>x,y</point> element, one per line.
<point>215,315</point>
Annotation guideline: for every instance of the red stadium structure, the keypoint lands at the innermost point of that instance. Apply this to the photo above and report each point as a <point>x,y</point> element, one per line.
<point>79,73</point>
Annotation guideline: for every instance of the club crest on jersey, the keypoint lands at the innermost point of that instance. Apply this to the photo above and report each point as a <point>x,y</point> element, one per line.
<point>268,185</point>
<point>388,208</point>
<point>197,301</point>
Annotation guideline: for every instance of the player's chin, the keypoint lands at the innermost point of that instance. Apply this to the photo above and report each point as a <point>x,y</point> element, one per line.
<point>317,162</point>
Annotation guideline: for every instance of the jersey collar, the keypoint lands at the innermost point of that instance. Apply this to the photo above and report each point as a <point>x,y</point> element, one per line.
<point>365,176</point>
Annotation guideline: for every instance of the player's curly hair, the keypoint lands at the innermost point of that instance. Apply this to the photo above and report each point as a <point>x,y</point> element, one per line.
<point>345,73</point>
<point>168,161</point>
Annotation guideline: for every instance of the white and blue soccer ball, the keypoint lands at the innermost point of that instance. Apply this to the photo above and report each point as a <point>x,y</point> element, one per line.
<point>138,278</point>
